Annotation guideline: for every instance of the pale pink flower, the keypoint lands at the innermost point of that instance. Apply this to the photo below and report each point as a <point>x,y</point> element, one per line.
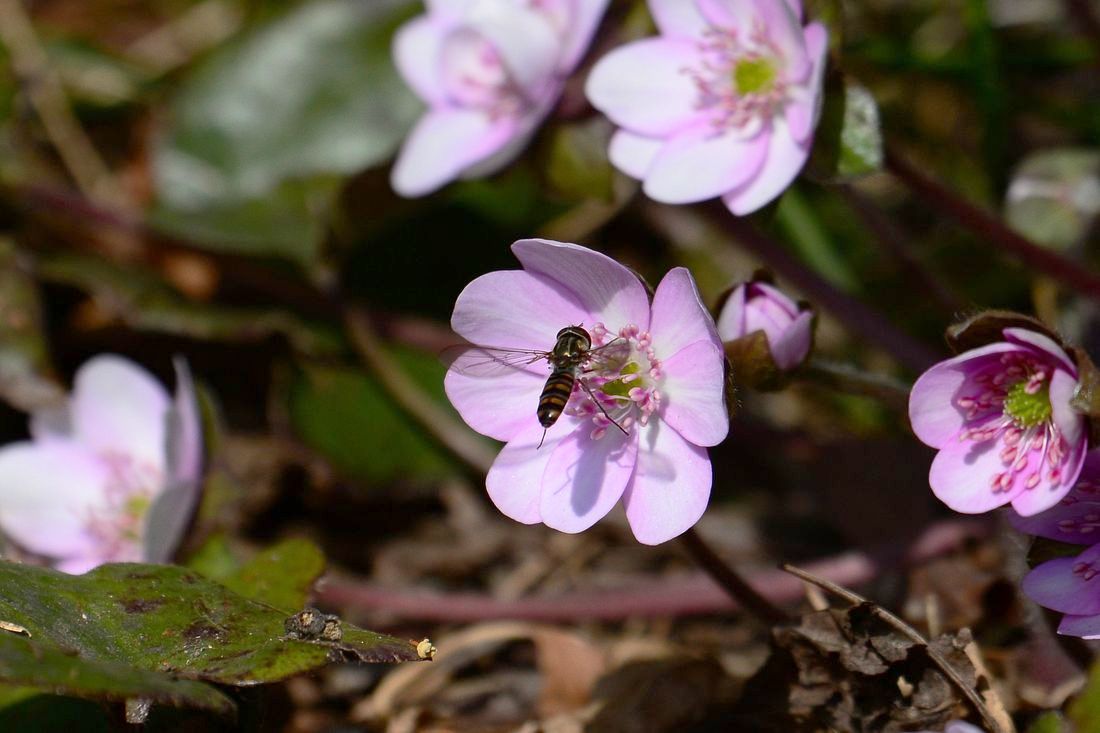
<point>758,306</point>
<point>1070,585</point>
<point>723,103</point>
<point>661,379</point>
<point>1001,418</point>
<point>112,476</point>
<point>490,71</point>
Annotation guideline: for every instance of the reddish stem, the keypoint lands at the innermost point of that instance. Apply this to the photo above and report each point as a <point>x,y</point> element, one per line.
<point>692,595</point>
<point>990,229</point>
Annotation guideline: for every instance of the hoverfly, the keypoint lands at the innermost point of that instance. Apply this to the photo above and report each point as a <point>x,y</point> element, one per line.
<point>569,360</point>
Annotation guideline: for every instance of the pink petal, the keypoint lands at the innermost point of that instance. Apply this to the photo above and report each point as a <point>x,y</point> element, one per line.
<point>78,565</point>
<point>1041,343</point>
<point>171,510</point>
<point>1086,627</point>
<point>697,164</point>
<point>790,348</point>
<point>796,8</point>
<point>643,87</point>
<point>633,154</point>
<point>515,480</point>
<point>582,27</point>
<point>498,406</point>
<point>603,288</point>
<point>47,493</point>
<point>442,144</point>
<point>962,477</point>
<point>678,19</point>
<point>679,317</point>
<point>51,422</point>
<point>416,48</point>
<point>118,407</point>
<point>769,310</point>
<point>729,15</point>
<point>731,321</point>
<point>785,32</point>
<point>584,478</point>
<point>1076,522</point>
<point>693,390</point>
<point>526,125</point>
<point>1054,584</point>
<point>670,487</point>
<point>1072,426</point>
<point>800,119</point>
<point>524,38</point>
<point>449,9</point>
<point>517,309</point>
<point>932,412</point>
<point>784,160</point>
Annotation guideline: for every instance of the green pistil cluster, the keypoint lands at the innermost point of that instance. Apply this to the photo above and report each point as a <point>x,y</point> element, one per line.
<point>754,76</point>
<point>1028,409</point>
<point>619,388</point>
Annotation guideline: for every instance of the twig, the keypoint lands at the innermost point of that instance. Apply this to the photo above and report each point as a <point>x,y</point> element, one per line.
<point>991,230</point>
<point>693,595</point>
<point>908,632</point>
<point>448,432</point>
<point>47,95</point>
<point>738,589</point>
<point>857,317</point>
<point>852,380</point>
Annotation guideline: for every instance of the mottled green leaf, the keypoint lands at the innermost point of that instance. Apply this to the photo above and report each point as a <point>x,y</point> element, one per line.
<point>1054,196</point>
<point>48,666</point>
<point>44,713</point>
<point>310,95</point>
<point>280,576</point>
<point>168,619</point>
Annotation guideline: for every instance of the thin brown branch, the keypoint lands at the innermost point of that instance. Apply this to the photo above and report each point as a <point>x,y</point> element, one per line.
<point>47,96</point>
<point>908,632</point>
<point>852,380</point>
<point>439,424</point>
<point>737,587</point>
<point>691,595</point>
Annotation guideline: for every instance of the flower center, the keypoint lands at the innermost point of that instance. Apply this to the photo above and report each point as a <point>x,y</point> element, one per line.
<point>622,377</point>
<point>753,75</point>
<point>1028,403</point>
<point>119,522</point>
<point>474,75</point>
<point>1012,406</point>
<point>739,78</point>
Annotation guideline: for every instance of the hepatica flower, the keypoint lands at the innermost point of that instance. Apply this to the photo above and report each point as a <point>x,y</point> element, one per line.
<point>723,103</point>
<point>758,306</point>
<point>111,477</point>
<point>659,376</point>
<point>1001,418</point>
<point>489,71</point>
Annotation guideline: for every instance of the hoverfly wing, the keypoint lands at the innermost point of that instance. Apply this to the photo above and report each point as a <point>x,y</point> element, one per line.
<point>489,361</point>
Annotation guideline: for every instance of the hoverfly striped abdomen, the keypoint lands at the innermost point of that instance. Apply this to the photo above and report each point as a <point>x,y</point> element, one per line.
<point>569,353</point>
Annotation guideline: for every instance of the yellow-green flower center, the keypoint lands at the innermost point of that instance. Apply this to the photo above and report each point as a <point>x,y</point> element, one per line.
<point>755,75</point>
<point>1028,409</point>
<point>619,388</point>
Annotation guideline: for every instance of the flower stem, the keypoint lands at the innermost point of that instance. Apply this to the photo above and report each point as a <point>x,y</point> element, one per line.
<point>991,230</point>
<point>853,380</point>
<point>856,316</point>
<point>737,587</point>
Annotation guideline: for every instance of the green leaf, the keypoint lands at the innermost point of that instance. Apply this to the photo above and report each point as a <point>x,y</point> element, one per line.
<point>347,416</point>
<point>848,141</point>
<point>1084,711</point>
<point>259,131</point>
<point>167,619</point>
<point>577,166</point>
<point>281,576</point>
<point>1050,722</point>
<point>802,227</point>
<point>1054,196</point>
<point>43,713</point>
<point>46,666</point>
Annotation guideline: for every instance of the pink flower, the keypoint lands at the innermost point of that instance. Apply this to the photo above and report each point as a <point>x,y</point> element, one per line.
<point>1076,517</point>
<point>489,71</point>
<point>1001,418</point>
<point>658,375</point>
<point>112,476</point>
<point>1070,585</point>
<point>723,103</point>
<point>758,306</point>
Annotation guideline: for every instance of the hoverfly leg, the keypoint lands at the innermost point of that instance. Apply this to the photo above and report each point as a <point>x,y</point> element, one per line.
<point>542,439</point>
<point>592,397</point>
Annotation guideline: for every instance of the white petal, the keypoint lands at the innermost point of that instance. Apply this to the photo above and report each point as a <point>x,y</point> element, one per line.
<point>634,154</point>
<point>670,487</point>
<point>784,160</point>
<point>416,49</point>
<point>444,143</point>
